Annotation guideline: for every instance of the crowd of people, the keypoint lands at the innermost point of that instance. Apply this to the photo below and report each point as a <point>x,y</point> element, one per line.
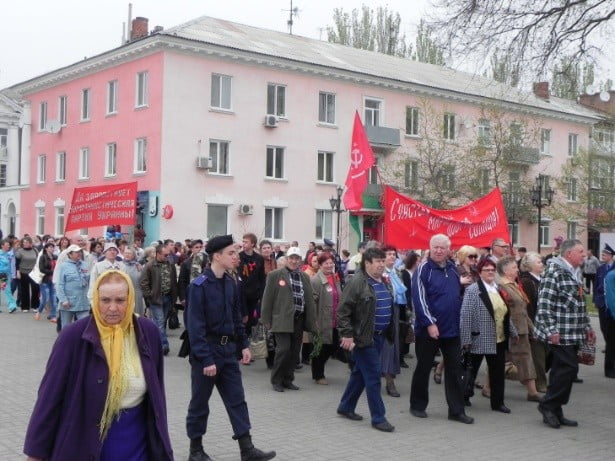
<point>365,310</point>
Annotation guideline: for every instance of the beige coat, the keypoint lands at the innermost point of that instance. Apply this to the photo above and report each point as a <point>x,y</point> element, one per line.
<point>323,301</point>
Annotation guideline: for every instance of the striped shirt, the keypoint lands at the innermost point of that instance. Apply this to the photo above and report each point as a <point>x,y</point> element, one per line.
<point>384,305</point>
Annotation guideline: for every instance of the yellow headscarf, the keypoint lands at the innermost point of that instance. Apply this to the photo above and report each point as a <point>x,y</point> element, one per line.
<point>119,357</point>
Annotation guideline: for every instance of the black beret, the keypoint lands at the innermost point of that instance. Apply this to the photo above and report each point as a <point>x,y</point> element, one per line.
<point>608,249</point>
<point>218,243</point>
<point>329,242</point>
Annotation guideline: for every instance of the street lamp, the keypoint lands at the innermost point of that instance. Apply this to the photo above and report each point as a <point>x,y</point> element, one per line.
<point>542,196</point>
<point>336,206</point>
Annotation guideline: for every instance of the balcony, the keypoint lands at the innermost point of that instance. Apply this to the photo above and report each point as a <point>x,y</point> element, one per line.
<point>520,155</point>
<point>383,137</point>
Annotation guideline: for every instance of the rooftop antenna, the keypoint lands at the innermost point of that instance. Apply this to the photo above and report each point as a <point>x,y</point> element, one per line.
<point>292,12</point>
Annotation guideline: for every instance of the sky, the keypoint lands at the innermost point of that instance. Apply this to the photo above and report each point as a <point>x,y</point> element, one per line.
<point>38,36</point>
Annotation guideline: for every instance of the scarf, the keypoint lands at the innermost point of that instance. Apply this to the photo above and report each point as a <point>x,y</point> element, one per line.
<point>298,294</point>
<point>120,347</point>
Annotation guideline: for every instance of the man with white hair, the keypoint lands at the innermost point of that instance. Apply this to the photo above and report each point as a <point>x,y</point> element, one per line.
<point>436,295</point>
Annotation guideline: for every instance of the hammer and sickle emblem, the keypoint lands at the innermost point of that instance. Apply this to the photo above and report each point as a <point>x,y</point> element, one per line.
<point>355,157</point>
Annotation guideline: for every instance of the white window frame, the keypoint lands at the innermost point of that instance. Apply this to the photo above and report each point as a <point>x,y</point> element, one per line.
<point>274,223</point>
<point>449,130</point>
<point>545,141</point>
<point>212,232</point>
<point>572,189</point>
<point>545,232</point>
<point>41,169</point>
<point>60,222</point>
<point>141,89</point>
<point>278,91</point>
<point>85,105</point>
<point>324,224</point>
<point>61,166</point>
<point>571,230</point>
<point>573,144</point>
<point>84,163</point>
<point>40,220</point>
<point>485,180</point>
<point>224,84</point>
<point>411,175</point>
<point>221,160</point>
<point>513,231</point>
<point>326,108</point>
<point>140,156</point>
<point>112,98</point>
<point>42,116</point>
<point>3,170</point>
<point>484,132</point>
<point>63,110</point>
<point>413,120</point>
<point>111,160</point>
<point>325,167</point>
<point>373,116</point>
<point>277,154</point>
<point>4,138</point>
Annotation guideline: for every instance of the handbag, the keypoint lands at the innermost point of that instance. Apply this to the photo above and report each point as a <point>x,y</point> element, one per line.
<point>586,355</point>
<point>173,319</point>
<point>35,274</point>
<point>258,342</point>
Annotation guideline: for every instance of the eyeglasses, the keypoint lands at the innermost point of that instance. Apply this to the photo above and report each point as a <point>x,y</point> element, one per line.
<point>502,246</point>
<point>473,256</point>
<point>487,270</point>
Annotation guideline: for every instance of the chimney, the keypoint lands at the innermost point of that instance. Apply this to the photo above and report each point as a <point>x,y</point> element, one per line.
<point>541,89</point>
<point>139,28</point>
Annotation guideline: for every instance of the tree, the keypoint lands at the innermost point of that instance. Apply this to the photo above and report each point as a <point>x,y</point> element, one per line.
<point>426,49</point>
<point>570,78</point>
<point>531,33</point>
<point>503,70</point>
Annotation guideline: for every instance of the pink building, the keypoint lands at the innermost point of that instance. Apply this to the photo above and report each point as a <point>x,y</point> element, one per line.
<point>239,129</point>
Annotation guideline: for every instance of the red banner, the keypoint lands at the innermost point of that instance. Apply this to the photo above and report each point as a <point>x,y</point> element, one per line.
<point>409,224</point>
<point>102,206</point>
<point>361,160</point>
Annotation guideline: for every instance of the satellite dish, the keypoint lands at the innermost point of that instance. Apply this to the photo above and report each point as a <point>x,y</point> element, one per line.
<point>590,89</point>
<point>53,126</point>
<point>604,96</point>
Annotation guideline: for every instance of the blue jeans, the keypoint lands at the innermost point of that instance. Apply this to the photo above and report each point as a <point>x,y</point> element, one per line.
<point>159,315</point>
<point>68,317</point>
<point>365,375</point>
<point>48,294</point>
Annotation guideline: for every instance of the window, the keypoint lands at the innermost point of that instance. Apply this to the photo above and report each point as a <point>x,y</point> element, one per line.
<point>4,134</point>
<point>573,144</point>
<point>572,190</point>
<point>141,92</point>
<point>571,230</point>
<point>217,220</point>
<point>514,188</point>
<point>276,100</point>
<point>446,178</point>
<point>411,175</point>
<point>412,121</point>
<point>484,132</point>
<point>275,163</point>
<point>59,220</point>
<point>274,223</point>
<point>324,224</point>
<point>40,221</point>
<point>545,180</point>
<point>84,163</point>
<point>449,127</point>
<point>62,110</point>
<point>485,180</point>
<point>372,112</point>
<point>61,166</point>
<point>544,233</point>
<point>219,153</point>
<point>372,173</point>
<point>221,91</point>
<point>85,104</point>
<point>545,141</point>
<point>326,108</point>
<point>140,160</point>
<point>516,134</point>
<point>325,166</point>
<point>42,116</point>
<point>112,97</point>
<point>602,174</point>
<point>111,159</point>
<point>513,231</point>
<point>605,137</point>
<point>41,173</point>
<point>2,174</point>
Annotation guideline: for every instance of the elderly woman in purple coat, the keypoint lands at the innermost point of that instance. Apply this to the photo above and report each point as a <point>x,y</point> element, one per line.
<point>102,396</point>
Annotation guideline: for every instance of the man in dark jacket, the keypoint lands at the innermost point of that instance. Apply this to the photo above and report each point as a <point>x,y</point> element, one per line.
<point>436,295</point>
<point>364,320</point>
<point>252,273</point>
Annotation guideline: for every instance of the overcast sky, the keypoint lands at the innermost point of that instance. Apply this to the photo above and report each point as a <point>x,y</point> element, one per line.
<point>37,36</point>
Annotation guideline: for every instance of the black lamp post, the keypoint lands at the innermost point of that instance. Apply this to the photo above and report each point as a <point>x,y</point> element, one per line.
<point>336,206</point>
<point>541,196</point>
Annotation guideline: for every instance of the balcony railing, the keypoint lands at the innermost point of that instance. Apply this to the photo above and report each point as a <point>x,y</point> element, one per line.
<point>521,155</point>
<point>381,136</point>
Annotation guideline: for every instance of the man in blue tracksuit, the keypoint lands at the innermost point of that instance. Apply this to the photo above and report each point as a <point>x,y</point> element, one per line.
<point>436,296</point>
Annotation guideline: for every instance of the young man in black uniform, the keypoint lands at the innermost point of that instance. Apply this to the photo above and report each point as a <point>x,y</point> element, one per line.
<point>217,335</point>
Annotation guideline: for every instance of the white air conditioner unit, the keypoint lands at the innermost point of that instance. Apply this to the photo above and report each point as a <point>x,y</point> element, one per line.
<point>271,121</point>
<point>245,210</point>
<point>204,163</point>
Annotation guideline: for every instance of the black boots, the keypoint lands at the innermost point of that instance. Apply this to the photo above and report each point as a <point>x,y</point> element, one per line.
<point>250,453</point>
<point>196,451</point>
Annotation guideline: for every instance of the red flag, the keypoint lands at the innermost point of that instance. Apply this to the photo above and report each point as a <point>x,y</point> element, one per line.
<point>361,160</point>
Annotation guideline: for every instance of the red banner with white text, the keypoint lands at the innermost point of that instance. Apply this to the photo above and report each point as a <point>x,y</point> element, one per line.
<point>102,206</point>
<point>410,224</point>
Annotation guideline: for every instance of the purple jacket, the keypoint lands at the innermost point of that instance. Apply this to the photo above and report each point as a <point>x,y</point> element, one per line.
<point>64,422</point>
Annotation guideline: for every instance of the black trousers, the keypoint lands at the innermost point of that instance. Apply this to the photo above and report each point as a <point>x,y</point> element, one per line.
<point>497,375</point>
<point>28,292</point>
<point>286,353</point>
<point>327,350</point>
<point>426,349</point>
<point>609,357</point>
<point>564,368</point>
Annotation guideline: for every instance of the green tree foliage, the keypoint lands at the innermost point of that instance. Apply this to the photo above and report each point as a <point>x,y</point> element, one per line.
<point>426,48</point>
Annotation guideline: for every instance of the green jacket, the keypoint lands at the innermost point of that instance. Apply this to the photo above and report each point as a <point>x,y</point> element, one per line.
<point>277,308</point>
<point>323,301</point>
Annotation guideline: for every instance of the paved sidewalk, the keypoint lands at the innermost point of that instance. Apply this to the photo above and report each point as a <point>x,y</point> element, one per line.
<point>303,424</point>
